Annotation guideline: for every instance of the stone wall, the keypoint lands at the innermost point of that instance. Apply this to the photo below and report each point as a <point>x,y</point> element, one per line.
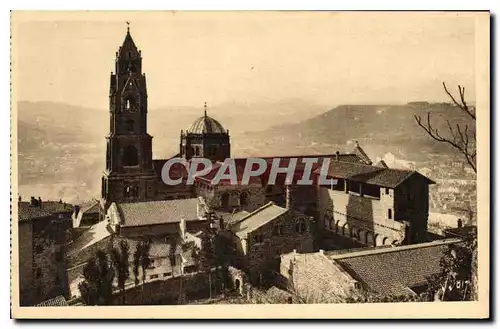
<point>25,263</point>
<point>262,255</point>
<point>171,291</point>
<point>315,278</point>
<point>362,218</point>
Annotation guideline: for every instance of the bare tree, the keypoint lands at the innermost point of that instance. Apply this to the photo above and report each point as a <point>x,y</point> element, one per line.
<point>458,136</point>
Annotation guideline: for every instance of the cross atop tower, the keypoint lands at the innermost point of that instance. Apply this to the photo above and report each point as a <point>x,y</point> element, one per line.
<point>128,26</point>
<point>205,107</point>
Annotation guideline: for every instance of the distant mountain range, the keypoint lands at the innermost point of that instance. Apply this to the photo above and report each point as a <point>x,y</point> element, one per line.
<point>378,128</point>
<point>61,147</point>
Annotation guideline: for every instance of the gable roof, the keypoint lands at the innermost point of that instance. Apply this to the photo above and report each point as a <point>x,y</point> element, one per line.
<point>394,270</point>
<point>157,212</point>
<point>257,218</point>
<point>385,177</point>
<point>362,154</point>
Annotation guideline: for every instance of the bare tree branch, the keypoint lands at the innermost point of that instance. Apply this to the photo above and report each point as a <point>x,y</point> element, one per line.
<point>458,136</point>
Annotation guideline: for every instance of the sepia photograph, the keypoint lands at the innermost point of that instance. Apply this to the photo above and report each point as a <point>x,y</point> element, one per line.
<point>250,164</point>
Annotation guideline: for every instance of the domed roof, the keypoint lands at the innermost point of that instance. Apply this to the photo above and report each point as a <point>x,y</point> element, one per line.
<point>206,125</point>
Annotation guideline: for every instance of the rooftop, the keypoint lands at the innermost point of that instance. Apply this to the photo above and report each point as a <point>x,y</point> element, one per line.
<point>56,301</point>
<point>385,177</point>
<point>257,218</point>
<point>394,270</point>
<point>157,212</point>
<point>28,211</point>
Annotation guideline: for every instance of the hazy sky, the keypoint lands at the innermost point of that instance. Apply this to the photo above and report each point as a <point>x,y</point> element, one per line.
<point>246,57</point>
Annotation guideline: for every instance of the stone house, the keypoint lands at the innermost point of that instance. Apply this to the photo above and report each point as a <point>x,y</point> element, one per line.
<point>334,276</point>
<point>372,206</point>
<point>157,218</point>
<point>259,238</point>
<point>44,230</point>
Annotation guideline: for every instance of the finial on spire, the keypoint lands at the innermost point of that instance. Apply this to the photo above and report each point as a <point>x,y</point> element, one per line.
<point>205,106</point>
<point>128,26</point>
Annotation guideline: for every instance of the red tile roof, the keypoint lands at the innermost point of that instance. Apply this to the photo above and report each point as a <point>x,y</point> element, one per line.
<point>394,270</point>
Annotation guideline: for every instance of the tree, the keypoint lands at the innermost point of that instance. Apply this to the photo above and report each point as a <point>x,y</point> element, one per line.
<point>137,261</point>
<point>457,279</point>
<point>145,259</point>
<point>97,288</point>
<point>459,136</point>
<point>121,265</point>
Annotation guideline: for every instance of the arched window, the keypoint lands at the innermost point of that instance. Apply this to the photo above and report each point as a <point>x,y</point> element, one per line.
<point>300,227</point>
<point>225,200</point>
<point>130,156</point>
<point>243,199</point>
<point>130,103</point>
<point>191,151</point>
<point>197,150</point>
<point>129,124</point>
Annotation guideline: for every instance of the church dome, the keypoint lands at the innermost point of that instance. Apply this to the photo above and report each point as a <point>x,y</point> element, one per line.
<point>206,125</point>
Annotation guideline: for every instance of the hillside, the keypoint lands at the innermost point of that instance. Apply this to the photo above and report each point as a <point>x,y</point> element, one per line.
<point>61,147</point>
<point>380,129</point>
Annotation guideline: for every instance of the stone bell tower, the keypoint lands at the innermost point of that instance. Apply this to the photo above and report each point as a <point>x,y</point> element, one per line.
<point>129,174</point>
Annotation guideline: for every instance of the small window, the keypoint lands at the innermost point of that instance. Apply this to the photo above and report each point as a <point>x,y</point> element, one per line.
<point>154,276</point>
<point>389,213</point>
<point>278,230</point>
<point>258,238</point>
<point>300,227</point>
<point>387,190</point>
<point>166,275</point>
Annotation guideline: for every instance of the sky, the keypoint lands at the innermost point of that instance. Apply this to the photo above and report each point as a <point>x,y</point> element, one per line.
<point>324,58</point>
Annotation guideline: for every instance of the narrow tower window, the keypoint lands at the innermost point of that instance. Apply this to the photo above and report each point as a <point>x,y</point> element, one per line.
<point>129,125</point>
<point>130,156</point>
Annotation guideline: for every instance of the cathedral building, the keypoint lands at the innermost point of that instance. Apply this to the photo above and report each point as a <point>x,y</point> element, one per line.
<point>372,204</point>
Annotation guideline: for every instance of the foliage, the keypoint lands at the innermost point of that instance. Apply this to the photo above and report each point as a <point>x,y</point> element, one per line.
<point>97,287</point>
<point>457,279</point>
<point>121,265</point>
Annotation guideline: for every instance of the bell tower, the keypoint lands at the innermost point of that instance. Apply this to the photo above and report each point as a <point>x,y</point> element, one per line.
<point>129,174</point>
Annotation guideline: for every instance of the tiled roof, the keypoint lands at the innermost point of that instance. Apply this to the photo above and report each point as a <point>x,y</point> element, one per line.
<point>91,207</point>
<point>27,212</point>
<point>157,212</point>
<point>56,301</point>
<point>257,218</point>
<point>385,177</point>
<point>394,270</point>
<point>94,234</point>
<point>361,153</point>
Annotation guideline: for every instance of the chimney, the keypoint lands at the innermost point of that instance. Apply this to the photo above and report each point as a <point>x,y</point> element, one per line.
<point>182,228</point>
<point>337,155</point>
<point>33,202</point>
<point>76,210</point>
<point>19,199</point>
<point>289,197</point>
<point>39,202</point>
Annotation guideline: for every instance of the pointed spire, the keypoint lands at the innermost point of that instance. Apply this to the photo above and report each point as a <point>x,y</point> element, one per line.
<point>205,106</point>
<point>128,27</point>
